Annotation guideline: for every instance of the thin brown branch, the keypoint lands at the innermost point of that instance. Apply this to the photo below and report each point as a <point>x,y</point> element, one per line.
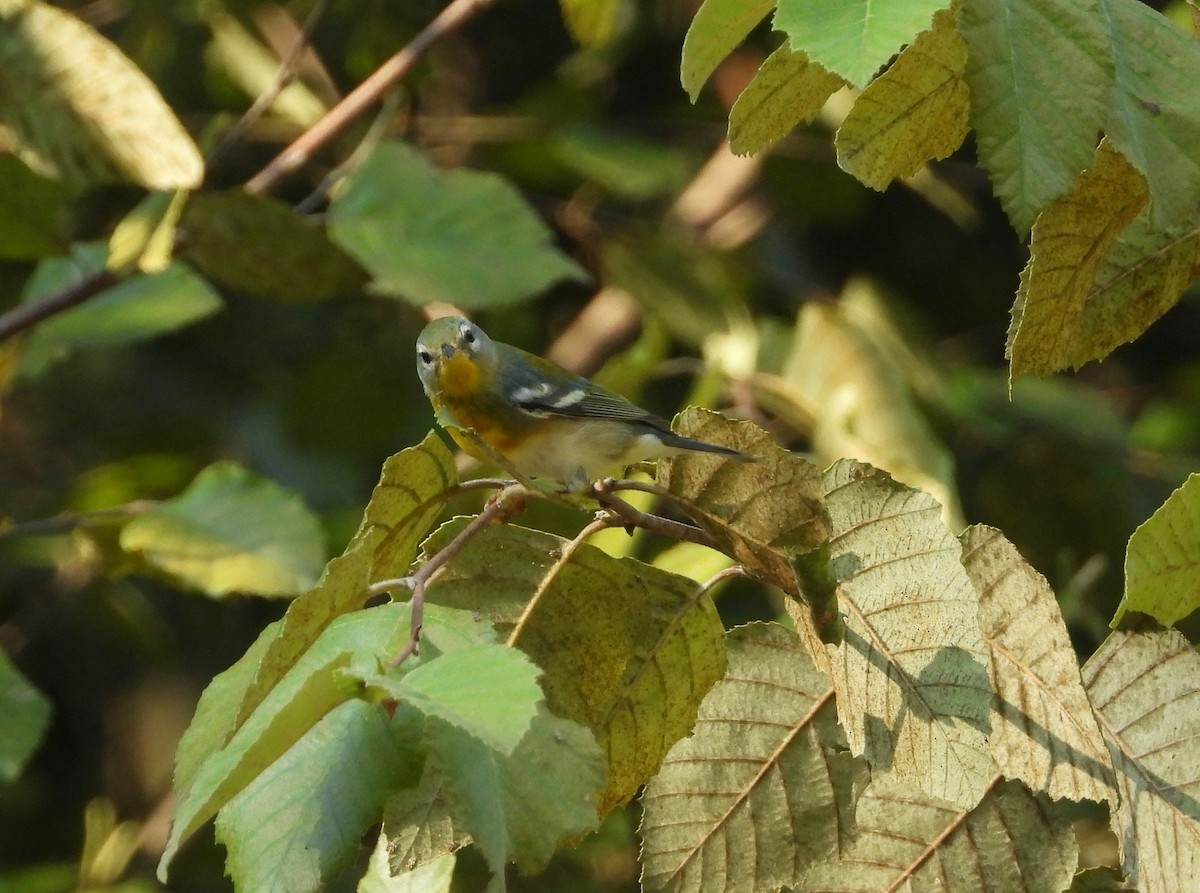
<point>26,316</point>
<point>65,522</point>
<point>283,76</point>
<point>619,508</point>
<point>363,96</point>
<point>500,507</point>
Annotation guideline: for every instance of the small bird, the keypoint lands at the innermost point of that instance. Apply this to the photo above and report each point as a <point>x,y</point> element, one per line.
<point>545,421</point>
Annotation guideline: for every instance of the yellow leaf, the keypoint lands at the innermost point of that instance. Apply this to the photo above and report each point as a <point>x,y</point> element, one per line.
<point>914,111</point>
<point>1052,322</point>
<point>787,90</point>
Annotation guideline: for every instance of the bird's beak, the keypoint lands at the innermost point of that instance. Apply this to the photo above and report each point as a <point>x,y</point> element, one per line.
<point>447,351</point>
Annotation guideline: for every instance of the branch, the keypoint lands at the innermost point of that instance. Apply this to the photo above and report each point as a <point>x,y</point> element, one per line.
<point>502,506</point>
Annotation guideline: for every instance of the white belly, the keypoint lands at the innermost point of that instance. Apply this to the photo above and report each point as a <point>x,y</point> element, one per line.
<point>577,451</point>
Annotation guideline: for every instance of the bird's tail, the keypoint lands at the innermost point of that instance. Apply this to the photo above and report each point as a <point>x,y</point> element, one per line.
<point>678,441</point>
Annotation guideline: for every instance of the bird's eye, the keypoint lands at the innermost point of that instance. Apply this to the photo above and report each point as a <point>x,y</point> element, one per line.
<point>468,335</point>
<point>424,356</point>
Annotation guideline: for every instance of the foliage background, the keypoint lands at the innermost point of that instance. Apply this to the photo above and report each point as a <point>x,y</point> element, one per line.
<point>315,395</point>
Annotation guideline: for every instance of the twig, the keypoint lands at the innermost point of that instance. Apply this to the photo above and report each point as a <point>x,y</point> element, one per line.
<point>283,76</point>
<point>62,523</point>
<point>676,530</point>
<point>736,570</point>
<point>363,96</point>
<point>26,316</point>
<point>503,505</point>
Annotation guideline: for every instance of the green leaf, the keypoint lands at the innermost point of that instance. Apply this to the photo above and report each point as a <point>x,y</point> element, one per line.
<point>311,688</point>
<point>1055,323</point>
<point>759,792</point>
<point>403,505</point>
<point>909,841</point>
<point>913,692</point>
<point>231,531</point>
<point>301,821</point>
<point>133,310</point>
<point>81,111</point>
<point>145,238</point>
<point>461,237</point>
<point>1043,730</point>
<point>1145,687</point>
<point>717,29</point>
<point>854,38</point>
<point>418,824</point>
<point>26,713</point>
<point>1039,72</point>
<point>1162,563</point>
<point>1153,114</point>
<point>259,245</point>
<point>627,650</point>
<point>33,212</point>
<point>623,165</point>
<point>915,111</point>
<point>488,691</point>
<point>787,89</point>
<point>520,808</point>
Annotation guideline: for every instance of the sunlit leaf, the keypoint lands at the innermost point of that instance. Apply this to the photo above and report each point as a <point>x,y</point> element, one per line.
<point>1162,565</point>
<point>145,238</point>
<point>759,792</point>
<point>915,111</point>
<point>1039,72</point>
<point>787,89</point>
<point>1145,686</point>
<point>463,237</point>
<point>906,841</point>
<point>432,877</point>
<point>231,531</point>
<point>26,713</point>
<point>854,38</point>
<point>1099,880</point>
<point>716,30</point>
<point>1043,730</point>
<point>81,110</point>
<point>1055,325</point>
<point>595,22</point>
<point>913,692</point>
<point>418,824</point>
<point>259,245</point>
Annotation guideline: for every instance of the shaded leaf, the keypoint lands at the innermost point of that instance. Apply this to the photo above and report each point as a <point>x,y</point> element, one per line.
<point>301,820</point>
<point>259,245</point>
<point>1145,687</point>
<point>758,792</point>
<point>1153,115</point>
<point>81,111</point>
<point>788,89</point>
<point>627,650</point>
<point>1043,730</point>
<point>594,22</point>
<point>1054,323</point>
<point>26,713</point>
<point>231,531</point>
<point>33,212</point>
<point>913,692</point>
<point>487,691</point>
<point>854,38</point>
<point>462,237</point>
<point>1011,841</point>
<point>1162,564</point>
<point>1039,72</point>
<point>621,164</point>
<point>716,30</point>
<point>138,308</point>
<point>1099,880</point>
<point>761,512</point>
<point>915,111</point>
<point>418,824</point>
<point>520,808</point>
